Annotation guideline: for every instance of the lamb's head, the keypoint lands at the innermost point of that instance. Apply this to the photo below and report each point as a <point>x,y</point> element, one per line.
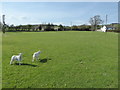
<point>20,54</point>
<point>39,51</point>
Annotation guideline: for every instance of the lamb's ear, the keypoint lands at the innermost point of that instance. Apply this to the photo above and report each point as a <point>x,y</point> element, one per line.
<point>21,53</point>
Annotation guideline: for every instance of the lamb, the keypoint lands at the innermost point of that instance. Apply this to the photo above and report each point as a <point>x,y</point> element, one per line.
<point>36,55</point>
<point>17,58</point>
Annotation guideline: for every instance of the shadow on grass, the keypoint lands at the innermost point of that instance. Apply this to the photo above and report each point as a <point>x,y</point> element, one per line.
<point>26,64</point>
<point>44,60</point>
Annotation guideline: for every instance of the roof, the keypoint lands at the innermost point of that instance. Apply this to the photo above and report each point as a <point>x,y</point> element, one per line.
<point>109,26</point>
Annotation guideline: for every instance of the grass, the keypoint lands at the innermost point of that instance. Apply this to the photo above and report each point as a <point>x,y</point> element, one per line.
<point>68,60</point>
<point>0,59</point>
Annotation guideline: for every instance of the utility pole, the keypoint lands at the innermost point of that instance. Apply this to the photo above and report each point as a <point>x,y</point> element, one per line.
<point>71,26</point>
<point>3,28</point>
<point>3,19</point>
<point>119,16</point>
<point>0,25</point>
<point>106,19</point>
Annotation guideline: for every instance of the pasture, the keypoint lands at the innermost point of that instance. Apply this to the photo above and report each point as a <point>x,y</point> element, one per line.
<point>70,59</point>
<point>0,59</point>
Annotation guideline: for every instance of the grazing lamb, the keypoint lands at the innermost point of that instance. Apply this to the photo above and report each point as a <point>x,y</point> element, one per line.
<point>36,55</point>
<point>17,58</point>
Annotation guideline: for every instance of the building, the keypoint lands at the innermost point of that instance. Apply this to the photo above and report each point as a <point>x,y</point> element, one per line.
<point>103,29</point>
<point>110,27</point>
<point>107,28</point>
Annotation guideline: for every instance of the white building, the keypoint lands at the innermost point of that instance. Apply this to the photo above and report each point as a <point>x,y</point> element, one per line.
<point>103,29</point>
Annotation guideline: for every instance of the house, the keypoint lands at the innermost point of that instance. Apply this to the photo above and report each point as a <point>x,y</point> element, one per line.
<point>56,28</point>
<point>43,27</point>
<point>36,28</point>
<point>49,28</point>
<point>114,24</point>
<point>46,27</point>
<point>109,27</point>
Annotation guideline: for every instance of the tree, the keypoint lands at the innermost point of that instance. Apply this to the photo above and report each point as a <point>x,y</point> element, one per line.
<point>61,28</point>
<point>1,26</point>
<point>49,27</point>
<point>94,21</point>
<point>74,27</point>
<point>11,27</point>
<point>85,27</point>
<point>29,27</point>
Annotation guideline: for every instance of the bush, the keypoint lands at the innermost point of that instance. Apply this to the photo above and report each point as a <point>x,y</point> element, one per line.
<point>113,31</point>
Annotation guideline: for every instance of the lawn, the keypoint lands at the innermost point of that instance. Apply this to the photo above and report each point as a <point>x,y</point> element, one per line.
<point>0,60</point>
<point>70,59</point>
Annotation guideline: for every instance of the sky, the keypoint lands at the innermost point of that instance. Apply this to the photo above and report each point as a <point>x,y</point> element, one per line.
<point>65,13</point>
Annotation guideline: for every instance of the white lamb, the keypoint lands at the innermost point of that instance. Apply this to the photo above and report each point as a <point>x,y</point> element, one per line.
<point>17,58</point>
<point>36,55</point>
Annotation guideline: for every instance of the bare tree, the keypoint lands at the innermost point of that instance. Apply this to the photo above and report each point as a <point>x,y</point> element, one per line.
<point>1,26</point>
<point>96,20</point>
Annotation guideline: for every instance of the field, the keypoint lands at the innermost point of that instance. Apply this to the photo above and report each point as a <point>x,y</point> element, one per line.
<point>0,60</point>
<point>69,59</point>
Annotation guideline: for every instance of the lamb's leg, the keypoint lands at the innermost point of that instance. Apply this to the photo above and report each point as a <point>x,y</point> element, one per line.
<point>33,59</point>
<point>37,58</point>
<point>11,62</point>
<point>19,63</point>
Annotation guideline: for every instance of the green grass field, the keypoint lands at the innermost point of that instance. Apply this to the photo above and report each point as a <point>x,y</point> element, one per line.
<point>70,59</point>
<point>0,60</point>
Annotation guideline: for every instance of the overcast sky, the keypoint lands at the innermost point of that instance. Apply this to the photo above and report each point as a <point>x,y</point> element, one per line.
<point>58,12</point>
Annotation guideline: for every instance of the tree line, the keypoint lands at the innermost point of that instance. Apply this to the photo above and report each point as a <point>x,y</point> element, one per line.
<point>95,23</point>
<point>46,27</point>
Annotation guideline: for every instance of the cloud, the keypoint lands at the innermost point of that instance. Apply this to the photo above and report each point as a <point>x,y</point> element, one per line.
<point>58,23</point>
<point>17,20</point>
<point>58,16</point>
<point>24,18</point>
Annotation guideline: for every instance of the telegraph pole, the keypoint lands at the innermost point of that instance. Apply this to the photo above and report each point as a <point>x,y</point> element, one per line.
<point>3,28</point>
<point>106,19</point>
<point>119,16</point>
<point>0,24</point>
<point>71,26</point>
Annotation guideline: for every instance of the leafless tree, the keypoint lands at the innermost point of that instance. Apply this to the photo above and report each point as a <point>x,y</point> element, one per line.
<point>1,26</point>
<point>96,20</point>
